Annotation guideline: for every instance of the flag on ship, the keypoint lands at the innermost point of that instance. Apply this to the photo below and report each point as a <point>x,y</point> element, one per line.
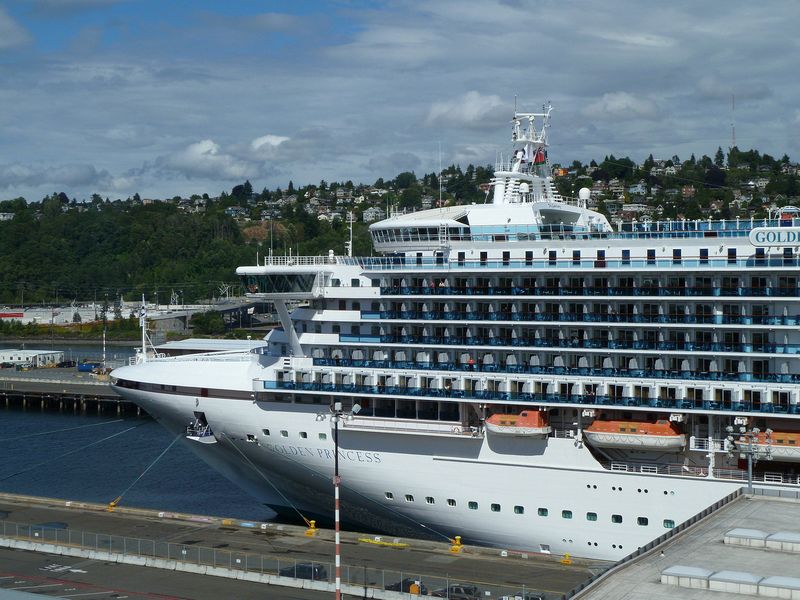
<point>540,157</point>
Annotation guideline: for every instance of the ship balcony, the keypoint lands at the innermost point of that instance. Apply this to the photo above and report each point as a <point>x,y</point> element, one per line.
<point>429,263</point>
<point>434,393</point>
<point>571,343</point>
<point>477,367</point>
<point>652,291</point>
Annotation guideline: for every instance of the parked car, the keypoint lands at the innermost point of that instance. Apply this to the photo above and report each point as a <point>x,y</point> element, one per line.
<point>405,586</point>
<point>458,591</point>
<point>88,367</point>
<point>311,571</point>
<point>66,364</point>
<point>6,365</point>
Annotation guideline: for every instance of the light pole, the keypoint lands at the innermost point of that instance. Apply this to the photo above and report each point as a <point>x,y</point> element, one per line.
<point>336,415</point>
<point>744,445</point>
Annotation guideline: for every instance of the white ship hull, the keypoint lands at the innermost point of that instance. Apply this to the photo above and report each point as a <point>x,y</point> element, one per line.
<point>556,474</point>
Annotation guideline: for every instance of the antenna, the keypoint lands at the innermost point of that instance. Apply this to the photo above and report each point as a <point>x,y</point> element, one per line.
<point>733,121</point>
<point>440,174</point>
<point>515,104</point>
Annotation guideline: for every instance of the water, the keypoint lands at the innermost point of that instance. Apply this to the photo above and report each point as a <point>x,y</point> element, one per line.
<point>45,465</point>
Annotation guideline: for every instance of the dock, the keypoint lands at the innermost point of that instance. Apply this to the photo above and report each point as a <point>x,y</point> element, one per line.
<point>144,545</point>
<point>62,389</point>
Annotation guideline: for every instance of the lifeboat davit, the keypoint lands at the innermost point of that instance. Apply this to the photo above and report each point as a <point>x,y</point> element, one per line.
<point>779,445</point>
<point>662,435</point>
<point>528,423</point>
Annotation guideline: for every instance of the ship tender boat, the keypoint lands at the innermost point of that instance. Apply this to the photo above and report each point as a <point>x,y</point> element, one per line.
<point>661,435</point>
<point>530,423</point>
<point>529,302</point>
<point>779,445</point>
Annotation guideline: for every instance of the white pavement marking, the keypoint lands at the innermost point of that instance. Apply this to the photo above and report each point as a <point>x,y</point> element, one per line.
<point>31,587</point>
<point>87,594</point>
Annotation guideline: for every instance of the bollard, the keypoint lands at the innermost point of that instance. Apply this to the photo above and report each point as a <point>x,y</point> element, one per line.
<point>457,545</point>
<point>312,528</point>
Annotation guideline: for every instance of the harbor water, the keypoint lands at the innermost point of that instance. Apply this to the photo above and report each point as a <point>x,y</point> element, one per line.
<point>93,458</point>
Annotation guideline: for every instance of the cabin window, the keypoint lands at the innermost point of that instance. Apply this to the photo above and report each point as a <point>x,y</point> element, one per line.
<point>566,514</point>
<point>419,258</point>
<point>484,258</point>
<point>591,516</point>
<point>731,256</point>
<point>265,431</point>
<point>528,258</point>
<point>284,433</point>
<point>472,505</point>
<point>601,259</point>
<point>704,256</point>
<point>461,259</point>
<point>389,495</point>
<point>651,256</point>
<point>409,498</point>
<point>576,257</point>
<point>519,510</point>
<point>323,436</point>
<point>551,257</point>
<point>676,256</point>
<point>787,256</point>
<point>303,435</point>
<point>506,258</point>
<point>643,521</point>
<point>616,518</point>
<point>495,508</point>
<point>669,523</point>
<point>451,502</point>
<point>626,257</point>
<point>430,500</point>
<point>542,512</point>
<point>355,282</point>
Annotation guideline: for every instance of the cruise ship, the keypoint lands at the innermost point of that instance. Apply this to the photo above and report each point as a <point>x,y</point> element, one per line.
<point>521,373</point>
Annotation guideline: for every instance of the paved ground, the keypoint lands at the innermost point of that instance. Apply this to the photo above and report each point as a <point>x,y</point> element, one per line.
<point>65,577</point>
<point>702,546</point>
<point>426,559</point>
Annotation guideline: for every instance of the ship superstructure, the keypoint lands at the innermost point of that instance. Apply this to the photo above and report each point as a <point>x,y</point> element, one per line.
<point>658,356</point>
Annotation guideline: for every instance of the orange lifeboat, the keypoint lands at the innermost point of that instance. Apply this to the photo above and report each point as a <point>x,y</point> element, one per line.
<point>636,435</point>
<point>780,445</point>
<point>528,423</point>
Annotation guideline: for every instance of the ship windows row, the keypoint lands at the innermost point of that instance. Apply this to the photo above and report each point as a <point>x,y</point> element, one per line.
<point>541,511</point>
<point>303,434</point>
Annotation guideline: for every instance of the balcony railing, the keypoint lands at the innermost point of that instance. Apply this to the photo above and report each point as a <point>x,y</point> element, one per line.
<point>571,344</point>
<point>457,367</point>
<point>646,291</point>
<point>495,395</point>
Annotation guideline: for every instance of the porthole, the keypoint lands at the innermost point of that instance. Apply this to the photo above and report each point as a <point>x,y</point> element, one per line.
<point>284,433</point>
<point>643,521</point>
<point>430,500</point>
<point>389,495</point>
<point>303,435</point>
<point>265,431</point>
<point>409,498</point>
<point>323,436</point>
<point>591,516</point>
<point>472,505</point>
<point>451,502</point>
<point>495,507</point>
<point>616,518</point>
<point>542,512</point>
<point>519,510</point>
<point>566,514</point>
<point>669,523</point>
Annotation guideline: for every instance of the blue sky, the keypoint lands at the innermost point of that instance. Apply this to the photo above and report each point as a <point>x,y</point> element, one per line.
<point>179,97</point>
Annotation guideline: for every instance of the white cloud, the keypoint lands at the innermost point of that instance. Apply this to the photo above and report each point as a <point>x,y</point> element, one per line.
<point>267,145</point>
<point>206,160</point>
<point>621,105</point>
<point>473,108</point>
<point>11,33</point>
<point>646,40</point>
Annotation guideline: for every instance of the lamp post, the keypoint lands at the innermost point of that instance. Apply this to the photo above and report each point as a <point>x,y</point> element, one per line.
<point>336,415</point>
<point>744,445</point>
